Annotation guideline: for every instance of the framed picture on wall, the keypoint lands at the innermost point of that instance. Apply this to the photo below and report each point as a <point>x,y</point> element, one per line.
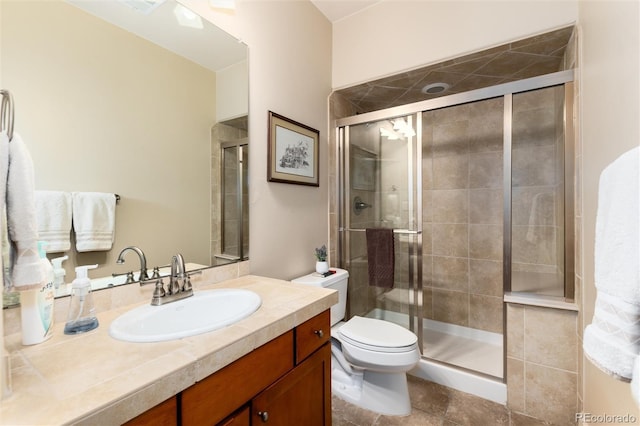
<point>293,152</point>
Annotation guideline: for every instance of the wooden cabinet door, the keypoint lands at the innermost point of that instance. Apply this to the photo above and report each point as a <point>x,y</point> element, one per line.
<point>242,417</point>
<point>163,414</point>
<point>302,397</point>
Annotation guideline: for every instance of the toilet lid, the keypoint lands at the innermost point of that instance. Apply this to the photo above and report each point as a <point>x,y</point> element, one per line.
<point>376,334</point>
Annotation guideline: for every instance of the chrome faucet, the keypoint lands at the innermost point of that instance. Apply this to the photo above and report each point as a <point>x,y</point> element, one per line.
<point>179,284</point>
<point>143,261</point>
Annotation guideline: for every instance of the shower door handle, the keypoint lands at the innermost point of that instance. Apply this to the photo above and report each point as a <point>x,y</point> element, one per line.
<point>359,205</point>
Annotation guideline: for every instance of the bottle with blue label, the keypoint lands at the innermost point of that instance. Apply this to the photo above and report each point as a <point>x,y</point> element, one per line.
<point>36,306</point>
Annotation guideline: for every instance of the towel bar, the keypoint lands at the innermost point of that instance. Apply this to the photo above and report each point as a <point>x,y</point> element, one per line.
<point>395,231</point>
<point>6,113</point>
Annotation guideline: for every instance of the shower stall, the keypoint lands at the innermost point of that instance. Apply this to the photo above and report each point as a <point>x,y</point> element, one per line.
<point>477,188</point>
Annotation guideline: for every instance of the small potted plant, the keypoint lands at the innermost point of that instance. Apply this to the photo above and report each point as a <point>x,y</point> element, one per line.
<point>322,266</point>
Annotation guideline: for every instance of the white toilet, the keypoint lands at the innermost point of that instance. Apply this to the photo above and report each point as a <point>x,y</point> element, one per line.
<point>369,357</point>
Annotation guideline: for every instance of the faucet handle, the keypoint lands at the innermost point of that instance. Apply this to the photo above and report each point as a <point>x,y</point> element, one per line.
<point>156,272</point>
<point>187,284</point>
<point>143,275</point>
<point>159,290</point>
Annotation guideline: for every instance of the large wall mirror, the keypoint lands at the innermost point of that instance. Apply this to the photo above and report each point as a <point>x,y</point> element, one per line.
<point>138,98</point>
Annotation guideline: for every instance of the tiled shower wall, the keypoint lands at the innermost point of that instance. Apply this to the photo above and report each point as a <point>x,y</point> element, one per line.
<point>462,214</point>
<point>542,363</point>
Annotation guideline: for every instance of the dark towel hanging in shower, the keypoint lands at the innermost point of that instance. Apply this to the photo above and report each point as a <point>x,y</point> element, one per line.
<point>380,257</point>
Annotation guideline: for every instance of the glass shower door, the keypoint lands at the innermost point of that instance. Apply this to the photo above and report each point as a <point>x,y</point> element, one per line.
<point>539,265</point>
<point>380,187</point>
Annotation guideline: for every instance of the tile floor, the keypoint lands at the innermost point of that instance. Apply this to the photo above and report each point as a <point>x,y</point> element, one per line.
<point>433,405</point>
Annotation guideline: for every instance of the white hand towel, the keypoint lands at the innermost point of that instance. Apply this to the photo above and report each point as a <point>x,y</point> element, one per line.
<point>94,220</point>
<point>53,213</point>
<point>612,340</point>
<point>27,271</point>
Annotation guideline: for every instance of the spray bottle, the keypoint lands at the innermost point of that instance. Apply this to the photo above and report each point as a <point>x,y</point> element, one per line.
<point>82,314</point>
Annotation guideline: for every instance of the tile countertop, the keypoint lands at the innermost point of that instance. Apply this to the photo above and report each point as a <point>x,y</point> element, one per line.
<point>92,378</point>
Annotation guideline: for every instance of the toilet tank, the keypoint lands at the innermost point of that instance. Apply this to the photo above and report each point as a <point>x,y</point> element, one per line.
<point>337,281</point>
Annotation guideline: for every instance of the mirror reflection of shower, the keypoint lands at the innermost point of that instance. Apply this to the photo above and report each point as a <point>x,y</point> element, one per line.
<point>230,240</point>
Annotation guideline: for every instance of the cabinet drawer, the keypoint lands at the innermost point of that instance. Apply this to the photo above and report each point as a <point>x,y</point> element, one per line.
<point>214,398</point>
<point>312,334</point>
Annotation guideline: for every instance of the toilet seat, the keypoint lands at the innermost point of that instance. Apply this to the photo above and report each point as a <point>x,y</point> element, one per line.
<point>377,335</point>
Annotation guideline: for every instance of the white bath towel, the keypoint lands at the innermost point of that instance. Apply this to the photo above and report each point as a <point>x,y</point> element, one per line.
<point>4,237</point>
<point>612,340</point>
<point>27,271</point>
<point>635,381</point>
<point>53,214</point>
<point>94,220</point>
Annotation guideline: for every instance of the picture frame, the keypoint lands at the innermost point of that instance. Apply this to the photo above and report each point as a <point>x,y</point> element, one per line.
<point>294,152</point>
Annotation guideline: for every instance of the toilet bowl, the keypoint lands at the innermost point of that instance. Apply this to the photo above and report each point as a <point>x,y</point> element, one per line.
<point>369,357</point>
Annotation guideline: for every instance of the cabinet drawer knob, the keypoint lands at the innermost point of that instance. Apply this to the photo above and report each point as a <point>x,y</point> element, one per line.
<point>263,415</point>
<point>319,333</point>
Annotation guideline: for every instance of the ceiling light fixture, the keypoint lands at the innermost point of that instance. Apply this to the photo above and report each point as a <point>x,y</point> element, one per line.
<point>400,125</point>
<point>187,18</point>
<point>389,134</point>
<point>435,88</point>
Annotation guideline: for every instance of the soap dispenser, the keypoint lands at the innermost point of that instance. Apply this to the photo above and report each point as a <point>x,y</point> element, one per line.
<point>58,271</point>
<point>82,314</point>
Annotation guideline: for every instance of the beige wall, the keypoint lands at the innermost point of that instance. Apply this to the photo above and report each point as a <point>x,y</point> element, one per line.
<point>290,74</point>
<point>407,34</point>
<point>232,91</point>
<point>105,112</point>
<point>609,127</point>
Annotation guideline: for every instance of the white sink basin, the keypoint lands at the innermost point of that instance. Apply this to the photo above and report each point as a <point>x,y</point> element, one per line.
<point>203,312</point>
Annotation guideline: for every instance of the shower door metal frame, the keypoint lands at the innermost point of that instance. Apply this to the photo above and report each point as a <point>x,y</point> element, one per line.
<point>505,91</point>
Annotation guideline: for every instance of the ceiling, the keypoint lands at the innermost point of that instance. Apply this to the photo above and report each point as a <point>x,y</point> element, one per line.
<point>208,46</point>
<point>335,10</point>
<point>534,56</point>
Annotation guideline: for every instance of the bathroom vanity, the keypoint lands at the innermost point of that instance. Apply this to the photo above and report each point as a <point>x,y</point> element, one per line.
<point>272,367</point>
<point>284,382</point>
